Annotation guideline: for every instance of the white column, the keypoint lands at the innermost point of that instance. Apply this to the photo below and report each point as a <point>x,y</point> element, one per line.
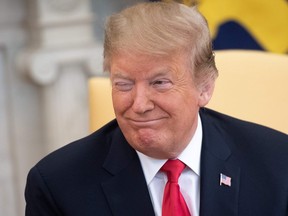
<point>60,59</point>
<point>7,171</point>
<point>11,38</point>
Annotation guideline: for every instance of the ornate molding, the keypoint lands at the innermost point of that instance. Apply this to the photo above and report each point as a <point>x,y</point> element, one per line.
<point>61,33</point>
<point>43,66</point>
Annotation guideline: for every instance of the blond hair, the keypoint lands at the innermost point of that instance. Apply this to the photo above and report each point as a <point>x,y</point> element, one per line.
<point>162,30</point>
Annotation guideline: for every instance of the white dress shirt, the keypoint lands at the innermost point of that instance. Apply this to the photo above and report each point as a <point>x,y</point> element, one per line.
<point>189,180</point>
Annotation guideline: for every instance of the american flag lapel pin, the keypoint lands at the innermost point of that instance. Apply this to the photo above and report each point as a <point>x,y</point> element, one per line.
<point>225,180</point>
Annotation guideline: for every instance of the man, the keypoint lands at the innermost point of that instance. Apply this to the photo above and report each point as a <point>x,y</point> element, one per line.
<point>162,71</point>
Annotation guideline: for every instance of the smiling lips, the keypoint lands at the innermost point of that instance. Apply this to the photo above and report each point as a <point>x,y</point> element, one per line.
<point>146,122</point>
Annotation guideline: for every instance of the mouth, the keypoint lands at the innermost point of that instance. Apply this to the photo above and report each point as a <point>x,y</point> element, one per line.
<point>140,123</point>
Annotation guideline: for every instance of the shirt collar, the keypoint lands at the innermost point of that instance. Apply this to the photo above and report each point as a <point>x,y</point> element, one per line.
<point>190,156</point>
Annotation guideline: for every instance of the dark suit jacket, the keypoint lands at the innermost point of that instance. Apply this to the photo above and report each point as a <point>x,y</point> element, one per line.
<point>101,174</point>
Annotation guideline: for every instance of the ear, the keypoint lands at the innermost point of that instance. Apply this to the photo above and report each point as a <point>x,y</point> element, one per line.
<point>206,92</point>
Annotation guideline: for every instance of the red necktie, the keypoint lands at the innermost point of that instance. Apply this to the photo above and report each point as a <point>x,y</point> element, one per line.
<point>173,201</point>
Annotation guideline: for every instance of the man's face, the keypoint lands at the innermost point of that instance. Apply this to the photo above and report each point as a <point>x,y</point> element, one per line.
<point>156,103</point>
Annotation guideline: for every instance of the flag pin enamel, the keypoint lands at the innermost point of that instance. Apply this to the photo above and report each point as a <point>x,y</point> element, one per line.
<point>225,180</point>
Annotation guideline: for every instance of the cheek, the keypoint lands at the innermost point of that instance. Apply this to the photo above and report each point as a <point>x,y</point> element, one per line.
<point>183,101</point>
<point>184,108</point>
<point>121,101</point>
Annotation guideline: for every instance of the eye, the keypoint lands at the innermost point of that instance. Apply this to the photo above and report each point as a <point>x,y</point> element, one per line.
<point>162,84</point>
<point>123,85</point>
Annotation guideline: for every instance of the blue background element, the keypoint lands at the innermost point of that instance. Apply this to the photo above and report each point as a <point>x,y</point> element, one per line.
<point>231,35</point>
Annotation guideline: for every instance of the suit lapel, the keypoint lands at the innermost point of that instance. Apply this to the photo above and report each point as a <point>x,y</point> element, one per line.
<point>126,191</point>
<point>216,158</point>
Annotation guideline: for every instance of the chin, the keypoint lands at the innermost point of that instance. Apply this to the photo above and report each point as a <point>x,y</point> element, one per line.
<point>158,153</point>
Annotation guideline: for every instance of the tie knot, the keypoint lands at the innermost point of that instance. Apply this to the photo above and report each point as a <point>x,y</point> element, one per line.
<point>173,169</point>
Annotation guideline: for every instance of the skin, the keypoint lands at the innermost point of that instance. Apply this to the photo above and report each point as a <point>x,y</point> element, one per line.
<point>156,103</point>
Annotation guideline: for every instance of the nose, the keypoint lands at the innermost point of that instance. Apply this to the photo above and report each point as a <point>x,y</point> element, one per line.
<point>142,99</point>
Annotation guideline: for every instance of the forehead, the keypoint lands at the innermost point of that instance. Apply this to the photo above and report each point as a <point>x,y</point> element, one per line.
<point>145,65</point>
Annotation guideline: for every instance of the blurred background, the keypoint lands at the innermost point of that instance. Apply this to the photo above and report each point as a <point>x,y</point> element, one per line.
<point>50,48</point>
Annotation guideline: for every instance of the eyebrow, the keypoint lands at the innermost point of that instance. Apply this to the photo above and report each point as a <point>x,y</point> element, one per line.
<point>119,75</point>
<point>123,75</point>
<point>164,72</point>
